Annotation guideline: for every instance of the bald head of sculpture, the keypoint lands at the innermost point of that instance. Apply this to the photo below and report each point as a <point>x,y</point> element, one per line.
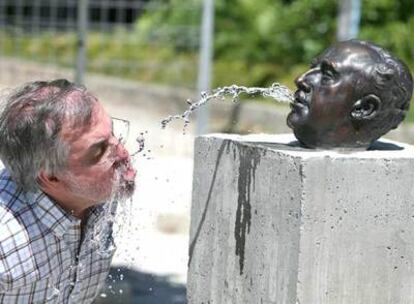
<point>354,93</point>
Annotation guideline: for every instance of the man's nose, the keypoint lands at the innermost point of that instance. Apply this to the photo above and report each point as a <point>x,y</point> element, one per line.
<point>120,152</point>
<point>303,81</point>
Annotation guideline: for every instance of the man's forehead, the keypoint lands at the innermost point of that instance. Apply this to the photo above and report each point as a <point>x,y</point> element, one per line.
<point>349,54</point>
<point>96,128</point>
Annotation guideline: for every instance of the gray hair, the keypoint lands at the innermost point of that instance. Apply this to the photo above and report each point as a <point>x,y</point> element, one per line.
<point>30,124</point>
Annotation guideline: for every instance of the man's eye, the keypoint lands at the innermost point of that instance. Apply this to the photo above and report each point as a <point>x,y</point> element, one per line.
<point>99,153</point>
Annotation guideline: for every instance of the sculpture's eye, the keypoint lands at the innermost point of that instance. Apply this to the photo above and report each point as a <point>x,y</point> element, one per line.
<point>328,73</point>
<point>327,77</point>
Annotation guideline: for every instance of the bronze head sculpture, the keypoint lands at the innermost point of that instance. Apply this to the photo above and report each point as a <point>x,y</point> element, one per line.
<point>354,93</point>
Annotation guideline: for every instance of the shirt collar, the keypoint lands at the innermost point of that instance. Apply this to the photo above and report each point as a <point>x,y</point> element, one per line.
<point>51,214</point>
<point>94,214</point>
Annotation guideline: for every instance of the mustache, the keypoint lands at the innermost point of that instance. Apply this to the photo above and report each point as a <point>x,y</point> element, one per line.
<point>121,165</point>
<point>120,184</point>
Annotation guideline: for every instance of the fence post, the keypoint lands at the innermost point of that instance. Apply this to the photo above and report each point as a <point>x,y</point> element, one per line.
<point>82,29</point>
<point>206,55</point>
<point>348,19</point>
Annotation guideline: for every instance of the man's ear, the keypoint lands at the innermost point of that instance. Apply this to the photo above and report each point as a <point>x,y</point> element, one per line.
<point>366,108</point>
<point>47,181</point>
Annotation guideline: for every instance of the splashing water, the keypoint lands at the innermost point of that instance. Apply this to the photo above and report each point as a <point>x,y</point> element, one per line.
<point>141,144</point>
<point>277,91</point>
<point>115,215</point>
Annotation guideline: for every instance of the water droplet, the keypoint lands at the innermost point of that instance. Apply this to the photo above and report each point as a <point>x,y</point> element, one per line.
<point>103,295</point>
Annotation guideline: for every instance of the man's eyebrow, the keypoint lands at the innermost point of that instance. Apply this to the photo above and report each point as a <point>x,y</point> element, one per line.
<point>101,142</point>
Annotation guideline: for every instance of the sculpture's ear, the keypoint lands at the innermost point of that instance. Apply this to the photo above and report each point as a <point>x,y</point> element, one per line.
<point>366,108</point>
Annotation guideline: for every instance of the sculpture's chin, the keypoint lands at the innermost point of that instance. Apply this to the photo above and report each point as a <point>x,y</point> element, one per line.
<point>305,139</point>
<point>298,116</point>
<point>295,120</point>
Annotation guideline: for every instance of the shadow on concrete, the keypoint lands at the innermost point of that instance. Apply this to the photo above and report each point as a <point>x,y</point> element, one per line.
<point>296,146</point>
<point>128,286</point>
<point>384,146</point>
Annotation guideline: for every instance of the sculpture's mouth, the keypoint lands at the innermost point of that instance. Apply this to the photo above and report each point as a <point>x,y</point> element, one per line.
<point>300,100</point>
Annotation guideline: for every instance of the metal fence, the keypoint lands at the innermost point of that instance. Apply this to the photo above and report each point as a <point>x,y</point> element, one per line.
<point>42,39</point>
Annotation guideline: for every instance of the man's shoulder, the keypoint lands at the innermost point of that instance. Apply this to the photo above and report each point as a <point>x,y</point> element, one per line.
<point>13,199</point>
<point>16,223</point>
<point>16,216</point>
<point>17,263</point>
<point>14,209</point>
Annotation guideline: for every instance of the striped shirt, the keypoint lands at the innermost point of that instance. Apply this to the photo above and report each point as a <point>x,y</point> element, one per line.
<point>43,256</point>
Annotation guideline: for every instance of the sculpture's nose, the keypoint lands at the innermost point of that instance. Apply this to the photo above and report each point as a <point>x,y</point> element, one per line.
<point>303,82</point>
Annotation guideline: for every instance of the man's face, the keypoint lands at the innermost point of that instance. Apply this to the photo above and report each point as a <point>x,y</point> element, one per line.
<point>98,165</point>
<point>320,114</point>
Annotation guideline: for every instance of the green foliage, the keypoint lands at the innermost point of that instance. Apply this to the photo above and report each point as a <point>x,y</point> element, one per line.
<point>176,25</point>
<point>257,42</point>
<point>117,53</point>
<point>390,24</point>
<point>271,31</point>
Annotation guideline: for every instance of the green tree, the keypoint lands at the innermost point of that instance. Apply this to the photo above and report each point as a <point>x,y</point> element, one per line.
<point>261,41</point>
<point>390,24</point>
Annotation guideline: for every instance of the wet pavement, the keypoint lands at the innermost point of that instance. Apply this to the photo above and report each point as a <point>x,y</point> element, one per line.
<point>126,286</point>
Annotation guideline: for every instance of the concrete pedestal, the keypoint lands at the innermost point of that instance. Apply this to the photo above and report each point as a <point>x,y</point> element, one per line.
<point>275,223</point>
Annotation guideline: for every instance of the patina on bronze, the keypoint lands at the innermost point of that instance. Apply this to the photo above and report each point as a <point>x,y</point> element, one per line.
<point>354,93</point>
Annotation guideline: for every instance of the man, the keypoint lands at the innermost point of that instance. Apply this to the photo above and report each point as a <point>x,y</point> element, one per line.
<point>62,161</point>
<point>354,93</point>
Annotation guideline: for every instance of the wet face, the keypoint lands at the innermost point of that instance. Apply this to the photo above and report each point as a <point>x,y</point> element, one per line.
<point>326,95</point>
<point>98,165</point>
